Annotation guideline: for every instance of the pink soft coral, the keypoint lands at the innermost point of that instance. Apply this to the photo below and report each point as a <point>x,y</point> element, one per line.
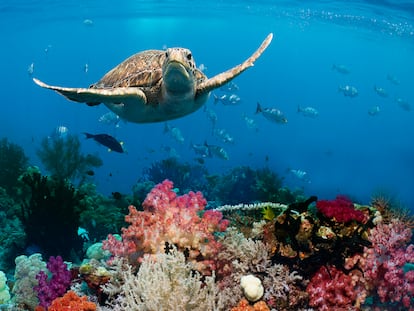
<point>383,264</point>
<point>341,210</point>
<point>335,290</point>
<point>169,219</point>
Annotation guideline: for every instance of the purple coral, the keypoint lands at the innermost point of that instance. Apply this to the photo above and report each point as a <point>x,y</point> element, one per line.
<point>49,289</point>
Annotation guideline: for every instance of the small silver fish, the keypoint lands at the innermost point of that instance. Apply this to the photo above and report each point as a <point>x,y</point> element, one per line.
<point>380,91</point>
<point>227,100</point>
<point>88,22</point>
<point>250,123</point>
<point>110,118</point>
<point>373,111</point>
<point>86,68</point>
<point>174,132</point>
<point>217,151</point>
<point>393,79</point>
<point>301,175</point>
<point>30,69</point>
<point>272,114</point>
<point>230,87</point>
<point>59,132</point>
<point>348,90</point>
<point>341,69</point>
<point>200,149</point>
<point>308,111</point>
<point>224,136</point>
<point>403,103</point>
<point>211,115</point>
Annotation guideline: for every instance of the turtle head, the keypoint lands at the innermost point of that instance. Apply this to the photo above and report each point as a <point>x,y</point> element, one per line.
<point>178,71</point>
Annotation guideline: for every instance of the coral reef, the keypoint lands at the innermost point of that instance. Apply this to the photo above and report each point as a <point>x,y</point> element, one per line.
<point>25,273</point>
<point>171,220</point>
<point>13,162</point>
<point>305,240</point>
<point>247,185</point>
<point>49,289</point>
<point>63,158</point>
<point>383,264</point>
<point>332,289</point>
<point>340,210</point>
<point>12,235</point>
<point>165,282</point>
<point>71,301</point>
<point>4,289</point>
<point>50,210</point>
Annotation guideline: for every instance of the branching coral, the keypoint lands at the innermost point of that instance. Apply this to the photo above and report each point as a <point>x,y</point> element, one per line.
<point>71,301</point>
<point>63,158</point>
<point>240,256</point>
<point>166,282</point>
<point>169,220</point>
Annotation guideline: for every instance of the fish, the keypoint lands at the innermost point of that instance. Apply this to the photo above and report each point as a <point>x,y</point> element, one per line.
<point>88,22</point>
<point>403,103</point>
<point>230,87</point>
<point>90,173</point>
<point>341,69</point>
<point>374,110</point>
<point>272,114</point>
<point>106,140</point>
<point>348,90</point>
<point>30,69</point>
<point>202,68</point>
<point>110,118</point>
<point>200,149</point>
<point>86,68</point>
<point>250,123</point>
<point>308,111</point>
<point>59,132</point>
<point>301,175</point>
<point>380,91</point>
<point>174,132</point>
<point>393,79</point>
<point>227,100</point>
<point>224,136</point>
<point>211,115</point>
<point>217,151</point>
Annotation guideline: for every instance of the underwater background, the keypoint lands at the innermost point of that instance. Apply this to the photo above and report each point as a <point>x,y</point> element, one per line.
<point>343,150</point>
<point>340,76</point>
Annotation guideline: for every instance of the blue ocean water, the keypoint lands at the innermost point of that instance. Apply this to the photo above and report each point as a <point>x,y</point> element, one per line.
<point>343,150</point>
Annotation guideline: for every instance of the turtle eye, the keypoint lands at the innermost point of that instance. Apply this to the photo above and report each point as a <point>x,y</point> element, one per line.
<point>189,56</point>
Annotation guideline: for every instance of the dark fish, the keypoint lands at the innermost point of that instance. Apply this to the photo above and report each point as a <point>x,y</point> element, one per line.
<point>107,141</point>
<point>90,173</point>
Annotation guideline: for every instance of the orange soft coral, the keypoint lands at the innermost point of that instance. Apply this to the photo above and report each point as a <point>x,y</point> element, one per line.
<point>71,302</point>
<point>245,306</point>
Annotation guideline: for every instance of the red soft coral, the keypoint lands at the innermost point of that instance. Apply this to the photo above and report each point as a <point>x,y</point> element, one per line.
<point>341,210</point>
<point>169,219</point>
<point>335,290</point>
<point>70,302</point>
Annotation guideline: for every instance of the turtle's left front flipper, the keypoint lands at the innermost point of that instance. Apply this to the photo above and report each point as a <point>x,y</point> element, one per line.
<point>92,96</point>
<point>225,77</point>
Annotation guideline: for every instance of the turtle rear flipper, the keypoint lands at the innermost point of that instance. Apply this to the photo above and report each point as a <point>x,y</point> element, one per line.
<point>92,96</point>
<point>225,77</point>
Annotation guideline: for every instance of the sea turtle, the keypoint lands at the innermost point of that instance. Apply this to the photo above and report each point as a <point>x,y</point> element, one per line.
<point>155,85</point>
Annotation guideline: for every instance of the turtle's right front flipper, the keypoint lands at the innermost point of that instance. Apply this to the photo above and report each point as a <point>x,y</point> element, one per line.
<point>94,96</point>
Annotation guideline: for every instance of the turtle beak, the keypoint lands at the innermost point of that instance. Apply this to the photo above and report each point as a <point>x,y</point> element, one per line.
<point>178,71</point>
